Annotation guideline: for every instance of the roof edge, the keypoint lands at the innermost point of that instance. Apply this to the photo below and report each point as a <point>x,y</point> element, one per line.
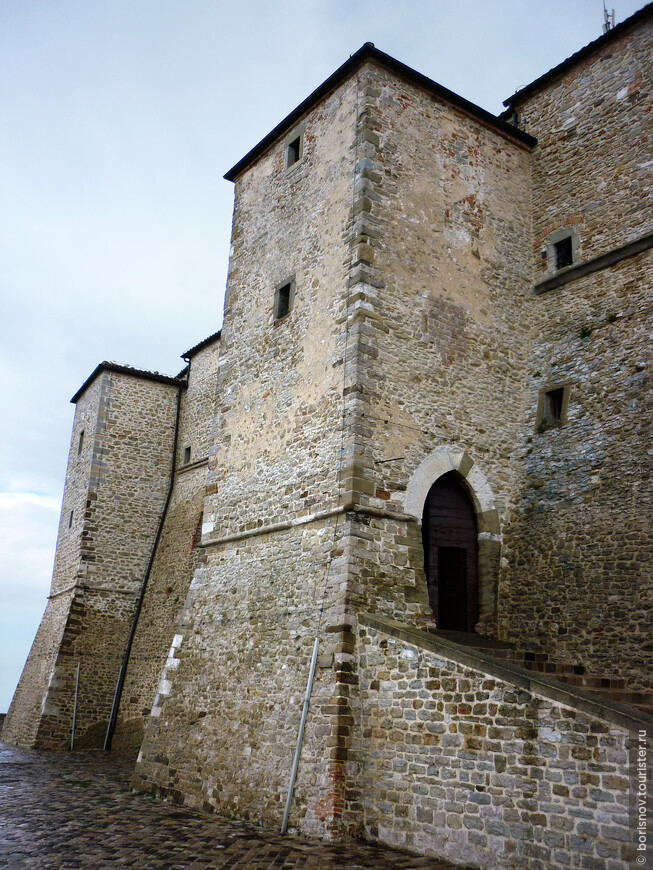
<point>368,51</point>
<point>582,53</point>
<point>126,370</point>
<point>201,345</point>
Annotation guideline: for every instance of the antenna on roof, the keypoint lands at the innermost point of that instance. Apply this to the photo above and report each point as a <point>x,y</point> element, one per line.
<point>608,19</point>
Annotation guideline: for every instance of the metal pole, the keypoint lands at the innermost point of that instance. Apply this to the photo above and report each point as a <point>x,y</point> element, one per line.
<point>72,733</point>
<point>300,737</point>
<point>114,710</point>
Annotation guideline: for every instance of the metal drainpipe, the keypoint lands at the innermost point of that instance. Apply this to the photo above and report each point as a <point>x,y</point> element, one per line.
<point>72,733</point>
<point>123,667</point>
<point>300,737</point>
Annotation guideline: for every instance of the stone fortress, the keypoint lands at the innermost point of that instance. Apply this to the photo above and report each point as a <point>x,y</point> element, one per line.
<point>420,437</point>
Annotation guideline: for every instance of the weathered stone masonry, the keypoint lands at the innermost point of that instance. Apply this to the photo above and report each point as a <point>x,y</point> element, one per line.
<point>115,491</point>
<point>397,310</point>
<point>471,762</point>
<point>576,580</point>
<point>254,605</point>
<point>178,553</point>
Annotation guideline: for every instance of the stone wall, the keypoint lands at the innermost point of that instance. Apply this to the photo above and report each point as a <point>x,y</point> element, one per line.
<point>578,578</point>
<point>24,716</point>
<point>495,772</point>
<point>178,553</point>
<point>280,381</point>
<point>442,322</point>
<point>130,475</point>
<point>590,168</point>
<point>89,425</point>
<point>116,488</point>
<point>198,404</point>
<point>25,711</point>
<point>226,714</point>
<point>578,544</point>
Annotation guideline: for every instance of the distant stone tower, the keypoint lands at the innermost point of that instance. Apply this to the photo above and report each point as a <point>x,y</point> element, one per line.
<point>116,488</point>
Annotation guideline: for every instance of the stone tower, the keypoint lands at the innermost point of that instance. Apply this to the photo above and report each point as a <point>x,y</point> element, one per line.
<point>116,488</point>
<point>378,291</point>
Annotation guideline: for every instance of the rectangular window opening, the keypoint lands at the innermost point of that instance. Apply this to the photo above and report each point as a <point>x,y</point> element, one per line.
<point>283,301</point>
<point>553,403</point>
<point>293,151</point>
<point>563,253</point>
<point>70,519</point>
<point>186,455</point>
<point>81,442</point>
<point>552,407</point>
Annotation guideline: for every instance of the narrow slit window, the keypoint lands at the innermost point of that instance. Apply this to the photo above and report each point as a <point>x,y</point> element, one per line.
<point>293,151</point>
<point>283,299</point>
<point>70,519</point>
<point>553,406</point>
<point>81,442</point>
<point>186,455</point>
<point>563,253</point>
<point>197,535</point>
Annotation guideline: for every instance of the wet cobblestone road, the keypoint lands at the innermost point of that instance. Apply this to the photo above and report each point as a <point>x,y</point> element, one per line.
<point>69,811</point>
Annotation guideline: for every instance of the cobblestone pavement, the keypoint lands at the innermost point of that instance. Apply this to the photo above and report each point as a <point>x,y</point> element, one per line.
<point>69,811</point>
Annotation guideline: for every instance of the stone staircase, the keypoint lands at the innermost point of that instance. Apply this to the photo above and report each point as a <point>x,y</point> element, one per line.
<point>614,688</point>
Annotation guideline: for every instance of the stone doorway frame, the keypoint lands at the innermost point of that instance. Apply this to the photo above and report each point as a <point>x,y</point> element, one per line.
<point>442,461</point>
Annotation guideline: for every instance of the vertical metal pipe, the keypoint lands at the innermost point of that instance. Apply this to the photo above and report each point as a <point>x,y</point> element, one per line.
<point>300,737</point>
<point>114,707</point>
<point>72,733</point>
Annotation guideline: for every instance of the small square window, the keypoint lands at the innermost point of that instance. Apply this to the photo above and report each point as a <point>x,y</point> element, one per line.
<point>186,455</point>
<point>563,253</point>
<point>562,249</point>
<point>283,299</point>
<point>552,407</point>
<point>294,151</point>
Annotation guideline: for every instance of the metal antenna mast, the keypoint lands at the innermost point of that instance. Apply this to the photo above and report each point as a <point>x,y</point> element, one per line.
<point>608,19</point>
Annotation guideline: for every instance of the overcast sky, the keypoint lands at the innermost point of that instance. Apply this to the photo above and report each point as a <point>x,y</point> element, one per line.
<point>118,120</point>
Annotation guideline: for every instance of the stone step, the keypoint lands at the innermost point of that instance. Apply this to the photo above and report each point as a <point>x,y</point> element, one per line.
<point>593,682</point>
<point>534,661</point>
<point>635,699</point>
<point>611,687</point>
<point>615,688</point>
<point>469,639</point>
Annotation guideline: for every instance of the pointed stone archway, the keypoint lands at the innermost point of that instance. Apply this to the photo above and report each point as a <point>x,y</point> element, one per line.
<point>455,459</point>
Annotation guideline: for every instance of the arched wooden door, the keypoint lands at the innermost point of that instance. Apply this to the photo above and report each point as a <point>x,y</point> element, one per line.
<point>451,554</point>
